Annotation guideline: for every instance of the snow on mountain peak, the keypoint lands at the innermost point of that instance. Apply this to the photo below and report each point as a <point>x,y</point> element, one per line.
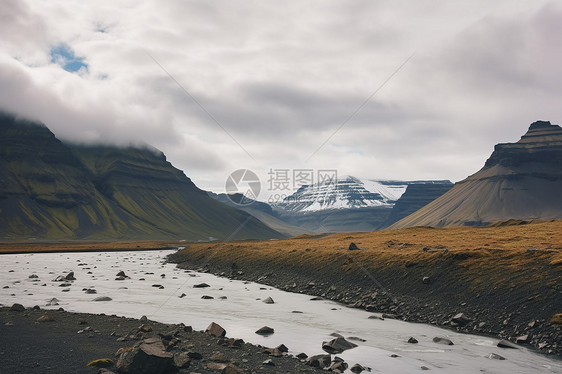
<point>347,192</point>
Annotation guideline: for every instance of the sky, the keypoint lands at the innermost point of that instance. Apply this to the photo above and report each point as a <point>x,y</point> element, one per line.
<point>401,90</point>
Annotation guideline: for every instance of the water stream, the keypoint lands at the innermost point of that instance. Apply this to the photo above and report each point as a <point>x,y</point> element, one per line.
<point>299,322</point>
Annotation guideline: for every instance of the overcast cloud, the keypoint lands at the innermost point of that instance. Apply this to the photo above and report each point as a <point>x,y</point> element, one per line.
<point>281,77</point>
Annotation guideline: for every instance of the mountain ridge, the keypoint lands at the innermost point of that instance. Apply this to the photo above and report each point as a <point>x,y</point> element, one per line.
<point>53,190</point>
<point>519,180</point>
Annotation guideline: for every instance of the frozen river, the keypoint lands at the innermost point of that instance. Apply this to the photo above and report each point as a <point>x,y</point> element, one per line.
<point>29,279</point>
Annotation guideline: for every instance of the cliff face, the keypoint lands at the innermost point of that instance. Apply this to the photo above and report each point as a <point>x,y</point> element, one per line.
<point>51,190</point>
<point>416,196</point>
<point>520,180</point>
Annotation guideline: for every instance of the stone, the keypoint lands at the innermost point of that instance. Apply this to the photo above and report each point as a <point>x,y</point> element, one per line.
<point>265,330</point>
<point>319,361</point>
<point>337,345</point>
<point>17,308</point>
<point>70,276</point>
<point>103,298</point>
<point>268,362</point>
<point>229,369</point>
<point>338,366</point>
<point>216,366</point>
<point>218,357</point>
<point>182,295</point>
<point>46,318</point>
<point>269,300</point>
<point>201,285</point>
<point>216,330</point>
<point>426,280</point>
<point>506,344</point>
<point>357,368</point>
<point>412,340</point>
<point>283,348</point>
<point>91,291</point>
<point>53,302</point>
<point>353,246</point>
<point>522,339</point>
<point>493,356</point>
<point>461,319</point>
<point>445,341</point>
<point>181,360</point>
<point>146,359</point>
<point>207,297</point>
<point>121,274</point>
<point>302,356</point>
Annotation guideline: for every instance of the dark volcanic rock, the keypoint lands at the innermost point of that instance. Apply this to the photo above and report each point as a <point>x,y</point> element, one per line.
<point>265,330</point>
<point>337,345</point>
<point>147,359</point>
<point>215,329</point>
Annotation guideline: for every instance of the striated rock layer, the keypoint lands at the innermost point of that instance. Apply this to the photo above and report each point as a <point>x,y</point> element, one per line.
<point>520,180</point>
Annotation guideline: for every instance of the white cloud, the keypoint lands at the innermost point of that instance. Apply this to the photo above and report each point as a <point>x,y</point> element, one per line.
<point>281,78</point>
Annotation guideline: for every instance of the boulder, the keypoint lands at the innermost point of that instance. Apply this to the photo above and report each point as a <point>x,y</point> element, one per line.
<point>218,357</point>
<point>265,331</point>
<point>229,369</point>
<point>269,300</point>
<point>426,280</point>
<point>353,247</point>
<point>181,360</point>
<point>445,341</point>
<point>121,274</point>
<point>216,330</point>
<point>319,361</point>
<point>522,339</point>
<point>70,276</point>
<point>357,368</point>
<point>17,308</point>
<point>412,340</point>
<point>146,359</point>
<point>337,345</point>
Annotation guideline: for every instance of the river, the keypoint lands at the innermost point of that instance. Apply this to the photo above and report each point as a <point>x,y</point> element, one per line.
<point>299,322</point>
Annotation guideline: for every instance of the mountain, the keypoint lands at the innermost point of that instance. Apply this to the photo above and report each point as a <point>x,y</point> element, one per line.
<point>416,196</point>
<point>262,211</point>
<point>52,190</point>
<point>521,180</point>
<point>346,193</point>
<point>351,204</point>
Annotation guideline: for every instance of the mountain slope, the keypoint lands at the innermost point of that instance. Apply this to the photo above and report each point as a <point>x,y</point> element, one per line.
<point>261,211</point>
<point>50,190</point>
<point>520,180</point>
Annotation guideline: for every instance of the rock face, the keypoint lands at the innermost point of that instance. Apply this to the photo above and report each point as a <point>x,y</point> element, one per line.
<point>53,190</point>
<point>519,181</point>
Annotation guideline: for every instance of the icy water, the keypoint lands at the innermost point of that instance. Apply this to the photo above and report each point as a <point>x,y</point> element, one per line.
<point>238,307</point>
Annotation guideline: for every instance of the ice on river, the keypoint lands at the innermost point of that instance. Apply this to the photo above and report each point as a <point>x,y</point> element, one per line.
<point>238,307</point>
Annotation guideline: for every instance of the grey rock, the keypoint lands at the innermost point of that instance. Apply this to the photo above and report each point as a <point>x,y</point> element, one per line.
<point>461,319</point>
<point>412,340</point>
<point>319,361</point>
<point>269,300</point>
<point>506,344</point>
<point>445,341</point>
<point>17,308</point>
<point>265,330</point>
<point>147,359</point>
<point>337,345</point>
<point>201,285</point>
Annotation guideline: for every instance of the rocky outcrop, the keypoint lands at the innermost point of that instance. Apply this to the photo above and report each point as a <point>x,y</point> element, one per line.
<point>520,180</point>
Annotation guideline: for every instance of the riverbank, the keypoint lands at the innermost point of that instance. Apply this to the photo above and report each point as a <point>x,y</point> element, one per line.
<point>85,246</point>
<point>55,341</point>
<point>505,280</point>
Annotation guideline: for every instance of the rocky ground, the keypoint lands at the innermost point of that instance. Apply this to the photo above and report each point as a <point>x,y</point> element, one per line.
<point>504,281</point>
<point>40,341</point>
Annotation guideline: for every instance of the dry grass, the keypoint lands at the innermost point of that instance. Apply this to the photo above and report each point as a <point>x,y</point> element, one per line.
<point>514,246</point>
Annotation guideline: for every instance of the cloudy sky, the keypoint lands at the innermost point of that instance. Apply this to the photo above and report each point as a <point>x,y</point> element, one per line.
<point>376,89</point>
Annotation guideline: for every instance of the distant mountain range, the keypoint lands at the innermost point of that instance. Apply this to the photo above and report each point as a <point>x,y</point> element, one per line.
<point>521,180</point>
<point>54,190</point>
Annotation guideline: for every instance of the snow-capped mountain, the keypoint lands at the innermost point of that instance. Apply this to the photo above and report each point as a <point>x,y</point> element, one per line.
<point>346,193</point>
